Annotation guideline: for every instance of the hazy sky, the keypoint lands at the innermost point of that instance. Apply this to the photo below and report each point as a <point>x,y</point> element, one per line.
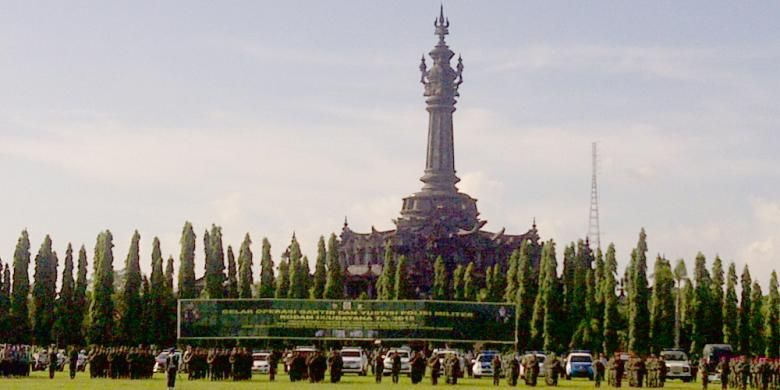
<point>274,117</point>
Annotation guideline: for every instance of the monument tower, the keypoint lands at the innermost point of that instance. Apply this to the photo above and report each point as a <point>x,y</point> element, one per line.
<point>438,220</point>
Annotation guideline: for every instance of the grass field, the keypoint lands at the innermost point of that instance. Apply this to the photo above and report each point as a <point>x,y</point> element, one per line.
<point>40,381</point>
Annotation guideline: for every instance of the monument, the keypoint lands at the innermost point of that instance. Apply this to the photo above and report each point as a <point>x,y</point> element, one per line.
<point>438,220</point>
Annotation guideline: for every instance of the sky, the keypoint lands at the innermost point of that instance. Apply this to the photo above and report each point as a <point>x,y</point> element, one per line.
<point>288,116</point>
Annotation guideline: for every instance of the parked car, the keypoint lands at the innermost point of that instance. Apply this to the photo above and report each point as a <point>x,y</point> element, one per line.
<point>405,354</point>
<point>483,364</point>
<point>260,361</point>
<point>540,357</point>
<point>579,364</point>
<point>441,353</point>
<point>355,360</point>
<point>677,366</point>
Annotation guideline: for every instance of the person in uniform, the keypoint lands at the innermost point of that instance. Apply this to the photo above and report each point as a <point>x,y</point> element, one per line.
<point>73,361</point>
<point>514,371</point>
<point>171,368</point>
<point>417,367</point>
<point>379,367</point>
<point>725,372</point>
<point>336,364</point>
<point>704,372</point>
<point>435,364</point>
<point>620,368</point>
<point>552,370</point>
<point>52,362</point>
<point>496,365</point>
<point>395,369</point>
<point>273,365</point>
<point>598,370</point>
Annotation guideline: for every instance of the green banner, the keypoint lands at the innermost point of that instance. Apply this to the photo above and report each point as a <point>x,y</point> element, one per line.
<point>346,320</point>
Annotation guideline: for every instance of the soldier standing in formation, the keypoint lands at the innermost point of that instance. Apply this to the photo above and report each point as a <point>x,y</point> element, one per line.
<point>725,372</point>
<point>336,364</point>
<point>395,368</point>
<point>171,368</point>
<point>435,364</point>
<point>704,371</point>
<point>73,361</point>
<point>531,368</point>
<point>273,365</point>
<point>496,365</point>
<point>598,370</point>
<point>52,362</point>
<point>552,370</point>
<point>452,368</point>
<point>379,367</point>
<point>514,371</point>
<point>417,367</point>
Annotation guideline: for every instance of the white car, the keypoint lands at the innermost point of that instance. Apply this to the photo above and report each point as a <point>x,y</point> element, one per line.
<point>260,361</point>
<point>442,353</point>
<point>540,357</point>
<point>355,360</point>
<point>579,364</point>
<point>405,367</point>
<point>677,366</point>
<point>483,365</point>
<point>303,350</point>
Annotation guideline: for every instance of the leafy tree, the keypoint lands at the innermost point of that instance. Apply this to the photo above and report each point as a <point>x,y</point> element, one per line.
<point>730,310</point>
<point>440,282</point>
<point>403,287</point>
<point>701,305</point>
<point>553,300</point>
<point>510,295</point>
<point>662,313</point>
<point>680,275</point>
<point>716,310</point>
<point>758,340</point>
<point>44,293</point>
<point>5,293</point>
<point>526,294</point>
<point>187,288</point>
<point>744,325</point>
<point>499,284</point>
<point>297,280</point>
<point>232,279</point>
<point>470,283</point>
<point>132,304</point>
<point>267,283</point>
<point>334,284</point>
<point>80,298</point>
<point>169,276</point>
<point>639,315</point>
<point>320,270</point>
<point>215,263</point>
<point>386,284</point>
<point>102,309</point>
<point>245,265</point>
<point>773,319</point>
<point>147,322</point>
<point>688,310</point>
<point>537,320</point>
<point>458,290</point>
<point>20,312</point>
<point>283,279</point>
<point>572,305</point>
<point>611,314</point>
<point>157,296</point>
<point>169,307</point>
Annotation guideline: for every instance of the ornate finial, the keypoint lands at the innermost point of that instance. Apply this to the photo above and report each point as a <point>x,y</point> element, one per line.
<point>293,237</point>
<point>345,221</point>
<point>442,25</point>
<point>534,224</point>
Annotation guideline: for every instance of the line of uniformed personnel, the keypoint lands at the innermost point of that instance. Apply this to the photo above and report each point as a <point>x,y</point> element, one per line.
<point>742,373</point>
<point>217,364</point>
<point>650,372</point>
<point>121,362</point>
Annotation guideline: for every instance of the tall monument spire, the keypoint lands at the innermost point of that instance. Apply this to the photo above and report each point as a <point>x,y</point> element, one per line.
<point>439,199</point>
<point>441,84</point>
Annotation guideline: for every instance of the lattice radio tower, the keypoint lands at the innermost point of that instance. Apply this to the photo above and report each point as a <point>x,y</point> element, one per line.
<point>594,235</point>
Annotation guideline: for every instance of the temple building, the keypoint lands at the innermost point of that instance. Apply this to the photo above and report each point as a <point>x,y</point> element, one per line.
<point>438,220</point>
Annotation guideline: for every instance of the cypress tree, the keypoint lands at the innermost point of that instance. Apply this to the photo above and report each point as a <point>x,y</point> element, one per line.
<point>457,283</point>
<point>510,295</point>
<point>283,279</point>
<point>101,311</point>
<point>730,310</point>
<point>334,284</point>
<point>215,263</point>
<point>611,314</point>
<point>187,288</point>
<point>5,302</point>
<point>702,303</point>
<point>232,279</point>
<point>571,307</point>
<point>245,265</point>
<point>440,282</point>
<point>147,326</point>
<point>297,283</point>
<point>662,313</point>
<point>537,320</point>
<point>169,314</point>
<point>680,275</point>
<point>486,294</point>
<point>598,308</point>
<point>386,284</point>
<point>44,293</point>
<point>744,312</point>
<point>80,298</point>
<point>169,276</point>
<point>757,340</point>
<point>773,319</point>
<point>470,283</point>
<point>553,299</point>
<point>306,277</point>
<point>403,288</point>
<point>639,315</point>
<point>132,305</point>
<point>320,270</point>
<point>156,300</point>
<point>267,283</point>
<point>499,284</point>
<point>716,310</point>
<point>688,310</point>
<point>20,312</point>
<point>525,296</point>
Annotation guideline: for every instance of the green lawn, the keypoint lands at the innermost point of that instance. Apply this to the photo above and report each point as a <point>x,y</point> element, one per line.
<point>82,382</point>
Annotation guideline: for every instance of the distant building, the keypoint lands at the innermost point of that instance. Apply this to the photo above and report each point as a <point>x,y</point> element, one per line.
<point>438,220</point>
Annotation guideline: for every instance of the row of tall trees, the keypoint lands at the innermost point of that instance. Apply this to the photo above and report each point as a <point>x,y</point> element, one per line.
<point>584,303</point>
<point>133,308</point>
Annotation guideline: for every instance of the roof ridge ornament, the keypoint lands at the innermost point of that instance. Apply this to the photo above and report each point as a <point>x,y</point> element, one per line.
<point>442,25</point>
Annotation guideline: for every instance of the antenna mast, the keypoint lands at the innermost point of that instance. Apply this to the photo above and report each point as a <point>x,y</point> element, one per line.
<point>594,235</point>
